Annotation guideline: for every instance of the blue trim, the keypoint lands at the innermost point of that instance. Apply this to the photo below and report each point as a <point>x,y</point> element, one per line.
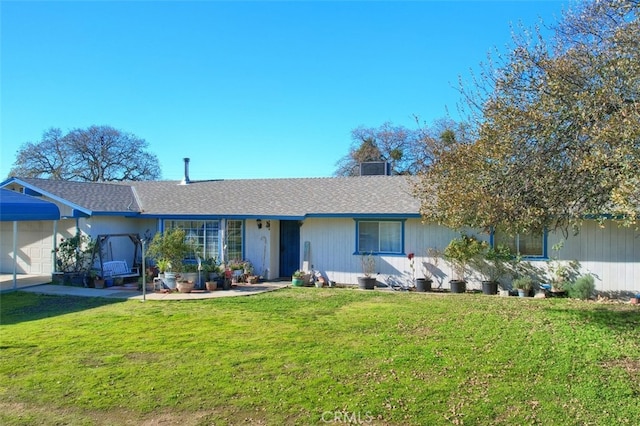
<point>545,250</point>
<point>378,219</point>
<point>381,216</point>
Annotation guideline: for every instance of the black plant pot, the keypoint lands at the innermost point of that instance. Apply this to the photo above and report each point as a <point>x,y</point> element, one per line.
<point>423,285</point>
<point>489,287</point>
<point>366,283</point>
<point>458,286</point>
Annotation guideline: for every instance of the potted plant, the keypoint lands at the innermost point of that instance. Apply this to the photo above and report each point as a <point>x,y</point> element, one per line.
<point>73,256</point>
<point>523,285</point>
<point>297,280</point>
<point>185,286</point>
<point>190,272</point>
<point>248,273</point>
<point>170,247</point>
<point>97,280</point>
<point>430,268</point>
<point>460,252</point>
<point>368,263</point>
<point>493,265</point>
<point>211,270</point>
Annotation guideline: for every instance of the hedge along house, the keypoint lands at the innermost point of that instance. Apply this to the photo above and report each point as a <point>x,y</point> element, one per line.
<point>281,225</point>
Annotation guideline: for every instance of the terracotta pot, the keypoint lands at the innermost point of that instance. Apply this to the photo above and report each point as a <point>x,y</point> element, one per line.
<point>185,287</point>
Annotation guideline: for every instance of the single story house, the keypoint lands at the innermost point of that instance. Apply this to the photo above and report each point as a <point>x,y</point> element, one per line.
<point>281,225</point>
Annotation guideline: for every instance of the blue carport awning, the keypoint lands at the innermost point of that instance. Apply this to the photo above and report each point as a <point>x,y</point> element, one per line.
<point>15,206</point>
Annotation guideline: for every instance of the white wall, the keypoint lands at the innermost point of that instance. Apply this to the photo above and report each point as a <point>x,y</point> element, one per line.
<point>117,248</point>
<point>610,253</point>
<point>259,248</point>
<point>333,243</point>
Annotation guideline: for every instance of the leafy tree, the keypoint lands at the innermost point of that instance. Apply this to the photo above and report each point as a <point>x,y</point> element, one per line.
<point>558,131</point>
<point>96,154</point>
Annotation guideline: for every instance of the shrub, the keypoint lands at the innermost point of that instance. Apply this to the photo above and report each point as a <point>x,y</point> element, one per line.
<point>523,283</point>
<point>582,288</point>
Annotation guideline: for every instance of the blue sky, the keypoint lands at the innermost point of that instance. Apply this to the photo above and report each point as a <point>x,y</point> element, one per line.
<point>245,89</point>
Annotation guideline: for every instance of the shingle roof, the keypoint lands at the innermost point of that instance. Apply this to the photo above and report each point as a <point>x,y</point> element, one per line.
<point>93,196</point>
<point>293,197</point>
<point>296,197</point>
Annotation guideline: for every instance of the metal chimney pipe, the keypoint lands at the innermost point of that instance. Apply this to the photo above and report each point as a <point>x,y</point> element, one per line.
<point>186,180</point>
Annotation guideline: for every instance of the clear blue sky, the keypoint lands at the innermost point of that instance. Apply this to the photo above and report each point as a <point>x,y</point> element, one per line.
<point>245,89</point>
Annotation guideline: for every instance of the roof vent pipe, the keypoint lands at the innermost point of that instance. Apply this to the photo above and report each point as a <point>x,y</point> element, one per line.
<point>186,180</point>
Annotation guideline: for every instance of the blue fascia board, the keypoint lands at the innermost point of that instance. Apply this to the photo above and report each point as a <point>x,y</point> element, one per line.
<point>63,201</point>
<point>366,215</point>
<point>119,214</point>
<point>217,217</point>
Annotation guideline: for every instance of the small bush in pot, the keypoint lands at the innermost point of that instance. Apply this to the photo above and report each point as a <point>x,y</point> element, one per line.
<point>523,285</point>
<point>368,263</point>
<point>298,278</point>
<point>460,253</point>
<point>493,264</point>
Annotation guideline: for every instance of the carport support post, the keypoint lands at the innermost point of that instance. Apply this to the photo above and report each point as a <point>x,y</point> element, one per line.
<point>15,257</point>
<point>144,272</point>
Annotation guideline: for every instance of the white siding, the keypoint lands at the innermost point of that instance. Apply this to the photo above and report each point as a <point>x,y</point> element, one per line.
<point>117,248</point>
<point>610,253</point>
<point>333,245</point>
<point>259,248</point>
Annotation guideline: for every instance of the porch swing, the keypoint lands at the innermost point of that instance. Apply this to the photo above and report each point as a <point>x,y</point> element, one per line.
<point>116,269</point>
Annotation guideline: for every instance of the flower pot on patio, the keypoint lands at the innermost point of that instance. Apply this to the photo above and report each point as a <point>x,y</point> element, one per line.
<point>211,285</point>
<point>185,286</point>
<point>170,280</point>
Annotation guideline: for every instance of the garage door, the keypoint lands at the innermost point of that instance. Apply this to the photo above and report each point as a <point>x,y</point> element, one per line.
<point>35,243</point>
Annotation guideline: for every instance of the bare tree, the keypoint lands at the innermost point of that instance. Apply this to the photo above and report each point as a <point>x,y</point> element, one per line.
<point>406,150</point>
<point>95,154</point>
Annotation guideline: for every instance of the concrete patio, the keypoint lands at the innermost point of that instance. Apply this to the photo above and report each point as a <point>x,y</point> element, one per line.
<point>40,285</point>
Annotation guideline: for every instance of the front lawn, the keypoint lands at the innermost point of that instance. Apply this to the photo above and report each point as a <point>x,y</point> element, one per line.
<point>318,356</point>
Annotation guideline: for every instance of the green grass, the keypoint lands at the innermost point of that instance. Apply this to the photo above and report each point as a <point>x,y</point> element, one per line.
<point>310,356</point>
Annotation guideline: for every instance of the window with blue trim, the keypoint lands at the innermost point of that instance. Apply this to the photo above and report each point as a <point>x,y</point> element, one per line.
<point>379,236</point>
<point>202,234</point>
<point>527,245</point>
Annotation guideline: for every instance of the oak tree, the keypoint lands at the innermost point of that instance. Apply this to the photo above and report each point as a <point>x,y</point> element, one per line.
<point>401,147</point>
<point>95,154</point>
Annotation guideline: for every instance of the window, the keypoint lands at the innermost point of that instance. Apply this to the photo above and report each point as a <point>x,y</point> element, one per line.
<point>204,234</point>
<point>528,245</point>
<point>234,239</point>
<point>379,236</point>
